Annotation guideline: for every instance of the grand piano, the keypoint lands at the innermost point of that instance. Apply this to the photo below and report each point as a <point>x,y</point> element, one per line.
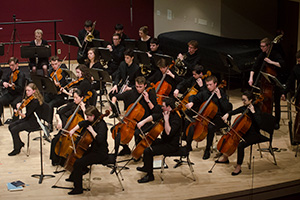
<point>221,55</point>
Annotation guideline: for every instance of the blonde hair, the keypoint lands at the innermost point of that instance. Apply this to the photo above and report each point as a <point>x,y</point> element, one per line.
<point>37,95</point>
<point>144,29</point>
<point>38,31</point>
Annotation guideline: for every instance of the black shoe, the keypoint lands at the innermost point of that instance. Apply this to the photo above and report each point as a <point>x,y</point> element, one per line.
<point>225,162</point>
<point>75,191</point>
<point>206,155</point>
<point>69,180</point>
<point>14,152</point>
<point>8,121</point>
<point>141,169</point>
<point>146,178</point>
<point>125,151</point>
<point>114,115</point>
<point>276,127</point>
<point>235,174</point>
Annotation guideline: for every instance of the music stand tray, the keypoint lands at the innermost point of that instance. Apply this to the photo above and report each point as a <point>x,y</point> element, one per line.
<point>1,49</point>
<point>44,84</point>
<point>35,51</point>
<point>70,40</point>
<point>141,57</point>
<point>158,56</point>
<point>104,53</point>
<point>69,72</point>
<point>273,79</point>
<point>142,46</point>
<point>130,43</point>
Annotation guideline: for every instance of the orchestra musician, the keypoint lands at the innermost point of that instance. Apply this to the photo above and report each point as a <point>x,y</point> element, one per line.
<point>221,100</point>
<point>82,37</point>
<point>32,102</point>
<point>13,84</point>
<point>97,153</point>
<point>119,29</point>
<point>125,77</point>
<point>278,63</point>
<point>117,54</point>
<point>59,78</point>
<point>169,141</point>
<point>148,102</point>
<point>143,33</point>
<point>195,80</point>
<point>61,116</point>
<point>93,62</point>
<point>42,62</point>
<point>191,58</point>
<point>252,136</point>
<point>154,49</point>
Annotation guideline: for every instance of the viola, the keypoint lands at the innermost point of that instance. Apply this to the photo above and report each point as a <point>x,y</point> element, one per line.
<point>24,103</point>
<point>63,147</point>
<point>207,112</point>
<point>82,145</point>
<point>192,91</point>
<point>13,78</point>
<point>230,141</point>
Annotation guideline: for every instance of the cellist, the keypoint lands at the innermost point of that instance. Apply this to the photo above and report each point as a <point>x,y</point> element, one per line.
<point>221,100</point>
<point>251,136</point>
<point>275,60</point>
<point>148,102</point>
<point>97,153</point>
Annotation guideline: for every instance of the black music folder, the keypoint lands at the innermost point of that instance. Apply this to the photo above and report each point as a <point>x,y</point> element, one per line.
<point>273,79</point>
<point>35,51</point>
<point>158,56</point>
<point>100,43</point>
<point>70,40</point>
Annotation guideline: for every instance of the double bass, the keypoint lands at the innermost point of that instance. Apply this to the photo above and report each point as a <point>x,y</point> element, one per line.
<point>207,112</point>
<point>230,141</point>
<point>85,139</point>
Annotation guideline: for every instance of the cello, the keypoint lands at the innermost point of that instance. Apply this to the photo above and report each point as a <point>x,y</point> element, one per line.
<point>230,141</point>
<point>207,111</point>
<point>82,145</point>
<point>267,88</point>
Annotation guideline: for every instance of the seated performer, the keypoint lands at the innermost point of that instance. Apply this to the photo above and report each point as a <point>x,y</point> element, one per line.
<point>143,33</point>
<point>117,54</point>
<point>191,58</point>
<point>169,141</point>
<point>13,84</point>
<point>62,115</point>
<point>119,29</point>
<point>28,121</point>
<point>59,78</point>
<point>221,100</point>
<point>252,136</point>
<point>93,62</point>
<point>154,49</point>
<point>42,62</point>
<point>148,102</point>
<point>97,153</point>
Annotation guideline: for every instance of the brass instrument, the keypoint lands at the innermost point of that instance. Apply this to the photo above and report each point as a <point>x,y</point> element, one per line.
<point>180,67</point>
<point>145,70</point>
<point>90,36</point>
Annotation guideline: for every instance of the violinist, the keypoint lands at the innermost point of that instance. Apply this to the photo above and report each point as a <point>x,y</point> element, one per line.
<point>42,62</point>
<point>28,122</point>
<point>59,78</point>
<point>148,102</point>
<point>195,80</point>
<point>13,84</point>
<point>252,136</point>
<point>125,76</point>
<point>117,54</point>
<point>82,37</point>
<point>276,61</point>
<point>168,143</point>
<point>97,153</point>
<point>61,116</point>
<point>83,82</point>
<point>191,58</point>
<point>220,99</point>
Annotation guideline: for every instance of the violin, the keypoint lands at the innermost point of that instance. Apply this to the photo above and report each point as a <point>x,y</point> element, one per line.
<point>230,141</point>
<point>24,103</point>
<point>64,147</point>
<point>73,83</point>
<point>192,91</point>
<point>82,145</point>
<point>207,111</point>
<point>57,74</point>
<point>13,78</point>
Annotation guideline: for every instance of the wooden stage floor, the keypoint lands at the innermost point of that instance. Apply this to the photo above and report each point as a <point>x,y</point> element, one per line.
<point>177,182</point>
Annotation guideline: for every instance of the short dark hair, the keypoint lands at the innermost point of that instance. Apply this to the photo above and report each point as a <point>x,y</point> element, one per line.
<point>198,69</point>
<point>193,43</point>
<point>140,80</point>
<point>161,63</point>
<point>92,110</point>
<point>13,59</point>
<point>154,41</point>
<point>211,78</point>
<point>119,27</point>
<point>88,23</point>
<point>249,95</point>
<point>54,58</point>
<point>117,34</point>
<point>128,52</point>
<point>169,102</point>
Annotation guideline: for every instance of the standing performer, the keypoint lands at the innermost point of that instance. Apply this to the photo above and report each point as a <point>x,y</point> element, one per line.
<point>97,153</point>
<point>252,136</point>
<point>275,62</point>
<point>28,121</point>
<point>42,62</point>
<point>220,99</point>
<point>168,143</point>
<point>13,84</point>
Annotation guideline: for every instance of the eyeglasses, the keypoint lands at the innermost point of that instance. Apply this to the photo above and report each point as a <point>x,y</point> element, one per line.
<point>263,46</point>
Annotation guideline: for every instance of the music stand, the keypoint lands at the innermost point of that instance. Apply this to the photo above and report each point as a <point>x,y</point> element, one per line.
<point>69,72</point>
<point>100,43</point>
<point>158,56</point>
<point>104,53</point>
<point>141,57</point>
<point>130,43</point>
<point>44,84</point>
<point>35,52</point>
<point>70,40</point>
<point>142,46</point>
<point>1,49</point>
<point>272,79</point>
<point>41,150</point>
